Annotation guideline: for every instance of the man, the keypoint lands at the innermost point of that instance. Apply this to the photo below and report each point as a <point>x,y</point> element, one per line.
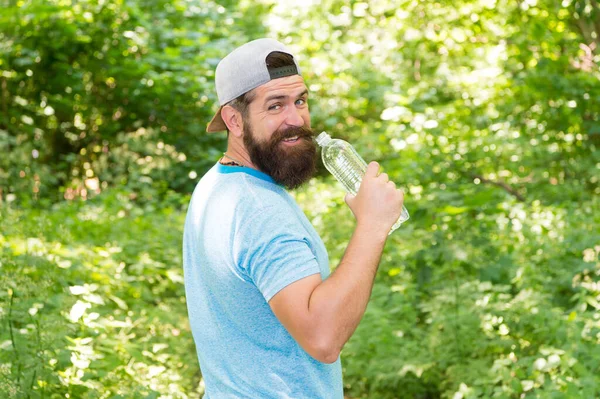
<point>267,319</point>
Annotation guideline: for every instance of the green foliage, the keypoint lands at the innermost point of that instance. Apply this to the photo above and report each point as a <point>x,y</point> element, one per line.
<point>76,80</point>
<point>92,303</point>
<point>485,112</point>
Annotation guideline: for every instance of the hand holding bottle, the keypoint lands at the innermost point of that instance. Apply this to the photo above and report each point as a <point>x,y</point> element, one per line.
<point>342,160</point>
<point>378,203</point>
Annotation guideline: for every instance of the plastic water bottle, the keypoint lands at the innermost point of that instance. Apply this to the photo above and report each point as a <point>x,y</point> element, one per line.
<point>342,160</point>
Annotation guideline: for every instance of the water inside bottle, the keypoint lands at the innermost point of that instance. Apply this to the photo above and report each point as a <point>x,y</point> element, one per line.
<point>348,173</point>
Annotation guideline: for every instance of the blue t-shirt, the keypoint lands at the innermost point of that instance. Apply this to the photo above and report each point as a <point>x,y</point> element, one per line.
<point>245,239</point>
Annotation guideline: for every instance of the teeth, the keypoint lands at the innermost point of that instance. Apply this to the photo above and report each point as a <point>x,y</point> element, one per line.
<point>292,138</point>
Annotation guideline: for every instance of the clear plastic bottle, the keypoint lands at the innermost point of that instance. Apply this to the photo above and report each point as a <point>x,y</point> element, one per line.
<point>342,160</point>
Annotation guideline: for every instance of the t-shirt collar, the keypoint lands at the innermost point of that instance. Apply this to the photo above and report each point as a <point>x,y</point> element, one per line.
<point>243,169</point>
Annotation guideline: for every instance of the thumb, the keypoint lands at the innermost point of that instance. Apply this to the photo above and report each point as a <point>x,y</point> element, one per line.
<point>349,198</point>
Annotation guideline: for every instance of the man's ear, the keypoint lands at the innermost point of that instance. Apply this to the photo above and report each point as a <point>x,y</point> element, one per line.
<point>233,119</point>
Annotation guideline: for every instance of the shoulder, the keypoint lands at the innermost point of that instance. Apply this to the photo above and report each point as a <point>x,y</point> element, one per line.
<point>269,215</point>
<point>262,198</point>
<point>248,200</point>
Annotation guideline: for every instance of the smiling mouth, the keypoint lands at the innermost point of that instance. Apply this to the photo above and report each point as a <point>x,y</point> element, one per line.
<point>291,139</point>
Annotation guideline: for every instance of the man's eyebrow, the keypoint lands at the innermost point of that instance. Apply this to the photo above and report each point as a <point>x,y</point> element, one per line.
<point>284,96</point>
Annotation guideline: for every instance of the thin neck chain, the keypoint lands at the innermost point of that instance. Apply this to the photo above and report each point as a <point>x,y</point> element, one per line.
<point>233,159</point>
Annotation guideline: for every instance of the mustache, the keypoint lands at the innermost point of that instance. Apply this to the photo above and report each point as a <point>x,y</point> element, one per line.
<point>300,131</point>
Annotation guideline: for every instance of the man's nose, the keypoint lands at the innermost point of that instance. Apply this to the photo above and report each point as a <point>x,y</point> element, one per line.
<point>295,117</point>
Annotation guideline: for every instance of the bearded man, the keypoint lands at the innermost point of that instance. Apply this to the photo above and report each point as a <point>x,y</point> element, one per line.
<point>268,319</point>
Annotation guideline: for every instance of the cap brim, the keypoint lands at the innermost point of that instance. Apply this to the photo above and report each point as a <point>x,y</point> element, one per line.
<point>216,124</point>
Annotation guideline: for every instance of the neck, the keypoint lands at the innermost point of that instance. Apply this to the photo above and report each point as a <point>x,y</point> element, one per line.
<point>239,154</point>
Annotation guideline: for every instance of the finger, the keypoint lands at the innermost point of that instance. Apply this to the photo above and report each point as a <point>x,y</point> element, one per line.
<point>401,194</point>
<point>385,177</point>
<point>392,184</point>
<point>372,169</point>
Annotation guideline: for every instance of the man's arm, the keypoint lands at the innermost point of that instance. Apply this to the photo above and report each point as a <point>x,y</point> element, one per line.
<point>323,315</point>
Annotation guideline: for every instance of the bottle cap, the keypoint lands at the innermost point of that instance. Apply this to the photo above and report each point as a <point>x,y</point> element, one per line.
<point>323,139</point>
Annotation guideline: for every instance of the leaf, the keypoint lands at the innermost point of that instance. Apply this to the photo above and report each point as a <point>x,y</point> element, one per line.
<point>454,210</point>
<point>120,303</point>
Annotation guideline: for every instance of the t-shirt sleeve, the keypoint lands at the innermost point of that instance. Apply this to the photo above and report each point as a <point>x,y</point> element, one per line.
<point>273,251</point>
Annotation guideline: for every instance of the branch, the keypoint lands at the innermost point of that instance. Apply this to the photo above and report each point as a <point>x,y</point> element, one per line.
<point>502,185</point>
<point>588,28</point>
<point>4,98</point>
<point>596,18</point>
<point>584,29</point>
<point>12,336</point>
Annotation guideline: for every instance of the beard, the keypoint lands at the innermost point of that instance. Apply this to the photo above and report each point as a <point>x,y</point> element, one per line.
<point>290,166</point>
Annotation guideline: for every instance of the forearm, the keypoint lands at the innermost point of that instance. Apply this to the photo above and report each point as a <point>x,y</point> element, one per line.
<point>337,304</point>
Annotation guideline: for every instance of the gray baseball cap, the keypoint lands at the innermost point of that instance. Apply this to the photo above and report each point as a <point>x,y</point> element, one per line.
<point>244,69</point>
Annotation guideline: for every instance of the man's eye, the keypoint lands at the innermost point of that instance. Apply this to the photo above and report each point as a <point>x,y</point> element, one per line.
<point>274,107</point>
<point>300,101</point>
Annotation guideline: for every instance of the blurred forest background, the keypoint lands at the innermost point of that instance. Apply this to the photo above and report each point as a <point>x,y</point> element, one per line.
<point>487,113</point>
